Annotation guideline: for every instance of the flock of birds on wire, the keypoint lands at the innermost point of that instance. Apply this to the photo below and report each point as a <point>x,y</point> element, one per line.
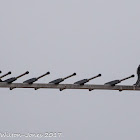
<point>59,80</point>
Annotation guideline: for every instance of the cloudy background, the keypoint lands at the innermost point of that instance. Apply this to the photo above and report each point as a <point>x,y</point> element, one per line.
<point>65,36</point>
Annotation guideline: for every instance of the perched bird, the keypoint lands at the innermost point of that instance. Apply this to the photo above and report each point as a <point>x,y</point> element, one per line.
<point>138,73</point>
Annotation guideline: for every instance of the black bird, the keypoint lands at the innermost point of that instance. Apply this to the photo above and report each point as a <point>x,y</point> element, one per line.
<point>138,80</point>
<point>83,81</point>
<point>11,80</point>
<point>4,75</point>
<point>59,80</point>
<point>114,82</point>
<point>32,80</point>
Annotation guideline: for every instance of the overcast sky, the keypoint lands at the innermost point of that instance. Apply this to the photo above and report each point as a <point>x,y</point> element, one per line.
<point>65,36</point>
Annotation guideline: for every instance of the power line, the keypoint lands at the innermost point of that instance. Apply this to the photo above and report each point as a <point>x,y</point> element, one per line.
<point>69,86</point>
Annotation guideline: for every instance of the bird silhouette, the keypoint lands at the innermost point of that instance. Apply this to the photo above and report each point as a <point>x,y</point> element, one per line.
<point>138,73</point>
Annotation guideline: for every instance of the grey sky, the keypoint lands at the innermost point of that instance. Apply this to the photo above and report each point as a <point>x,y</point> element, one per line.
<point>65,36</point>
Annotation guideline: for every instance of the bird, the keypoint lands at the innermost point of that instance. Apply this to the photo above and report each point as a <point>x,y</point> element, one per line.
<point>138,80</point>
